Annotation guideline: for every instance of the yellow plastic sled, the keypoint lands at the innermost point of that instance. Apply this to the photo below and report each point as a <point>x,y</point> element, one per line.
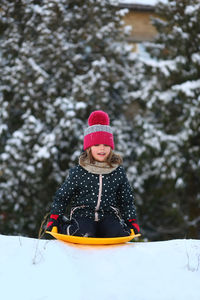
<point>91,240</point>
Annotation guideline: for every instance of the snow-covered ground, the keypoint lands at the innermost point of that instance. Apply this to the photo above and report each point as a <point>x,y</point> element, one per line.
<point>53,270</point>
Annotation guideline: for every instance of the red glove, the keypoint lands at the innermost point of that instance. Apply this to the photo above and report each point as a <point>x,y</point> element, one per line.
<point>132,223</point>
<point>53,221</point>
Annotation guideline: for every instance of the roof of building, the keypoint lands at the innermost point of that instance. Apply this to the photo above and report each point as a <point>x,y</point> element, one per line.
<point>145,5</point>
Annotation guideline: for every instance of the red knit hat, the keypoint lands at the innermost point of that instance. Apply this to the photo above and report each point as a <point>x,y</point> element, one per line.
<point>99,131</point>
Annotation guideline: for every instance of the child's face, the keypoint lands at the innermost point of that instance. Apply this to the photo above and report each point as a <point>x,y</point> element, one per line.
<point>100,152</point>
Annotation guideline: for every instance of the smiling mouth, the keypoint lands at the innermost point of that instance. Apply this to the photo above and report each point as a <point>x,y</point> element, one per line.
<point>102,154</point>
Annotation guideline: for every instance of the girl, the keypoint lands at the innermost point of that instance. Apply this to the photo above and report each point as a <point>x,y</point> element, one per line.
<point>97,190</point>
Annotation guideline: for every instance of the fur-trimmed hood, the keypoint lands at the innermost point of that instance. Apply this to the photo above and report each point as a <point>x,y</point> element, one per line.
<point>97,167</point>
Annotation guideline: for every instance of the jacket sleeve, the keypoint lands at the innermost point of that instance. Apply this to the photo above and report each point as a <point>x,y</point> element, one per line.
<point>64,194</point>
<point>126,198</point>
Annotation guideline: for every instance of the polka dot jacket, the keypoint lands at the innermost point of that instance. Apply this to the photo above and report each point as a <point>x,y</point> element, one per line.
<point>95,195</point>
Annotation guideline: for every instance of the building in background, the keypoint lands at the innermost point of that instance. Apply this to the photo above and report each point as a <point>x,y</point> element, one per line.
<point>139,18</point>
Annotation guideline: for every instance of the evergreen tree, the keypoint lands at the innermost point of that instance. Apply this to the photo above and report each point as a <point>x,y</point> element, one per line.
<point>168,124</point>
<point>60,60</point>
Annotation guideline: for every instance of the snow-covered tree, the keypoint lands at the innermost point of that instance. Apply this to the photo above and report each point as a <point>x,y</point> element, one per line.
<point>168,124</point>
<point>60,60</point>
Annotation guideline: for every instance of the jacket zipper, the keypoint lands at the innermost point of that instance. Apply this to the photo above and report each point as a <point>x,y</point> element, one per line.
<point>99,198</point>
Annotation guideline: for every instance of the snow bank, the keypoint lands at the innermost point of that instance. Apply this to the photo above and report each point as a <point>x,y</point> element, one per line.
<point>39,270</point>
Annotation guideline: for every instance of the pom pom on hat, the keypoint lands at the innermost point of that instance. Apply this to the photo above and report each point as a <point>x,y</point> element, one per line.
<point>98,117</point>
<point>99,131</point>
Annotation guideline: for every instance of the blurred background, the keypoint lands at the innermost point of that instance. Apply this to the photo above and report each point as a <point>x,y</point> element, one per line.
<point>137,60</point>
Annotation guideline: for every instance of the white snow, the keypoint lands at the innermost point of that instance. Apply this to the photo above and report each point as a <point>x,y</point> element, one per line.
<point>188,87</point>
<point>42,152</point>
<point>191,9</point>
<point>37,68</point>
<point>142,2</point>
<point>39,270</point>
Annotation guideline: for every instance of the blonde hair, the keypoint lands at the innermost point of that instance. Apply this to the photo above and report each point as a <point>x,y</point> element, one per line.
<point>112,158</point>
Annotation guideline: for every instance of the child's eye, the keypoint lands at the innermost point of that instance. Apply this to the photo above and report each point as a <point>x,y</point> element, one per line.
<point>96,145</point>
